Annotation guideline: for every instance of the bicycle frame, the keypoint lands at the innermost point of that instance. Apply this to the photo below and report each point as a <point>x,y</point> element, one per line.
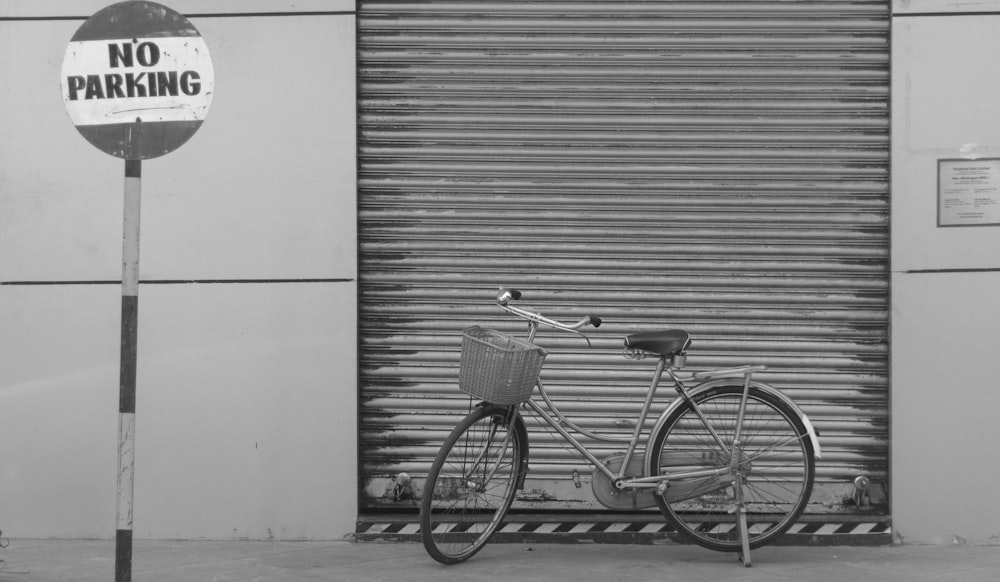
<point>621,481</point>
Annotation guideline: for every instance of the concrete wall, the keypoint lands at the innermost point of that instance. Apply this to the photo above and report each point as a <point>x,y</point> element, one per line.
<point>246,389</point>
<point>945,281</point>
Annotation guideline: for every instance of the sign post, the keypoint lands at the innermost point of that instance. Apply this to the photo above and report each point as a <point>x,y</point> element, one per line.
<point>137,81</point>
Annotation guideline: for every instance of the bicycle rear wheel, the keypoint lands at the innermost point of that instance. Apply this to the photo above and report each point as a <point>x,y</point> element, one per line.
<point>471,484</point>
<point>777,468</point>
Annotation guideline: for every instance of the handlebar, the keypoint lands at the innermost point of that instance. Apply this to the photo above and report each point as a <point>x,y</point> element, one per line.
<point>505,296</point>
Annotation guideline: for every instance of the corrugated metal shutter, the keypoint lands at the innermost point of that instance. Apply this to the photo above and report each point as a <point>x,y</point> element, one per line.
<point>716,166</point>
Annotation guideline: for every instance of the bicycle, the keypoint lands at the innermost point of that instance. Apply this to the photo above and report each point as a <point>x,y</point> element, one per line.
<point>730,462</point>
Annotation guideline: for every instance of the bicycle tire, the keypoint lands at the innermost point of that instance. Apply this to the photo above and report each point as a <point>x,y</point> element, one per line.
<point>779,467</point>
<point>471,485</point>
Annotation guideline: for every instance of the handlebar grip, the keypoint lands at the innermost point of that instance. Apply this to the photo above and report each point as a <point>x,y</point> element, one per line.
<point>505,296</point>
<point>595,321</point>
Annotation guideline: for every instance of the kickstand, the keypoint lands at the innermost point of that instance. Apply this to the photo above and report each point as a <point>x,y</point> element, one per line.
<point>741,521</point>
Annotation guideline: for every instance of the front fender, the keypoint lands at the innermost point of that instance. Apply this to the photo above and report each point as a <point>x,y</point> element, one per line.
<point>810,429</point>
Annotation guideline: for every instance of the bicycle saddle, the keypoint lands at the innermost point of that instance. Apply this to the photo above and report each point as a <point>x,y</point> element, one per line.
<point>663,343</point>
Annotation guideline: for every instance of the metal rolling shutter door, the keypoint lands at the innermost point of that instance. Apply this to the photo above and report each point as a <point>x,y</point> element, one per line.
<point>716,166</point>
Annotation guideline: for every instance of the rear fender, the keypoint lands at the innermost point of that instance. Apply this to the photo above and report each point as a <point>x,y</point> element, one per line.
<point>813,435</point>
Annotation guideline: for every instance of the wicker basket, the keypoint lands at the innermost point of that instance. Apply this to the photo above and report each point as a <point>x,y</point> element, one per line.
<point>498,368</point>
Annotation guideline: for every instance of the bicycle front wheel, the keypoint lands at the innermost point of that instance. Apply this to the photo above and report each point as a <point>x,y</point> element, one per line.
<point>776,468</point>
<point>471,484</point>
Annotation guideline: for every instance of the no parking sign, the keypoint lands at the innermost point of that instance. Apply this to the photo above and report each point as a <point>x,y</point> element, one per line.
<point>137,80</point>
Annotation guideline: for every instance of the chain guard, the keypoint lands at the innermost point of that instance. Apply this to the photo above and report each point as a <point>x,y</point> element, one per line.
<point>623,499</point>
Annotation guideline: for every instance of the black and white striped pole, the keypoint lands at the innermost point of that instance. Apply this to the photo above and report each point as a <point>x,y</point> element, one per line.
<point>128,366</point>
<point>137,81</point>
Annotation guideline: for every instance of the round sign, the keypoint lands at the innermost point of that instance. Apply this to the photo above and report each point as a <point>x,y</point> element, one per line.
<point>137,80</point>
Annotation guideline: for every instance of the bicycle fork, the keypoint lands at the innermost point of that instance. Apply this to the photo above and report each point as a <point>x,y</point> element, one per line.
<point>490,455</point>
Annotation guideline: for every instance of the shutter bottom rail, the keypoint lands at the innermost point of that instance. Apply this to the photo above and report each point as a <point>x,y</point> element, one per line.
<point>638,528</point>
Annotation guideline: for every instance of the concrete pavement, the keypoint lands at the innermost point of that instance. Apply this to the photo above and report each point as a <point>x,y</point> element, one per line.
<point>336,561</point>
